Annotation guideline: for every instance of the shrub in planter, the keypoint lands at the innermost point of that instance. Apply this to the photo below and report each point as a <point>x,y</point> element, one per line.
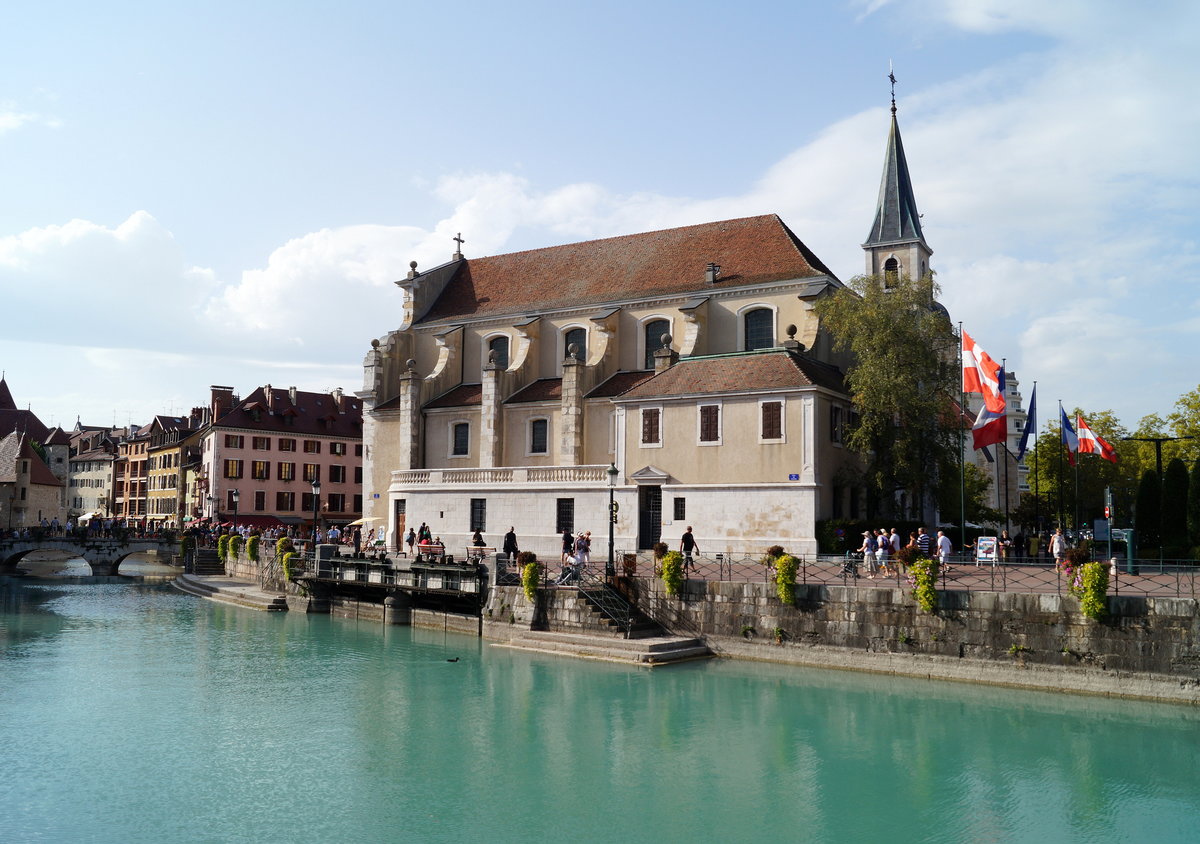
<point>252,548</point>
<point>531,573</point>
<point>235,546</point>
<point>672,572</point>
<point>282,546</point>
<point>786,567</point>
<point>1093,590</point>
<point>287,564</point>
<point>223,547</point>
<point>923,572</point>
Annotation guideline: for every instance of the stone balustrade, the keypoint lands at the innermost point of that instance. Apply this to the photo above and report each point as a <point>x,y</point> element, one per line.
<point>589,475</point>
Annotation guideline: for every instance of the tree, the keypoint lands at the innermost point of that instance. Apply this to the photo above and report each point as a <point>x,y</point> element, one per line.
<point>1193,515</point>
<point>1174,509</point>
<point>1094,473</point>
<point>1146,511</point>
<point>976,485</point>
<point>1184,421</point>
<point>902,375</point>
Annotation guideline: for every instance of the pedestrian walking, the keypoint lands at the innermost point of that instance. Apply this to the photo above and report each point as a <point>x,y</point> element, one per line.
<point>688,546</point>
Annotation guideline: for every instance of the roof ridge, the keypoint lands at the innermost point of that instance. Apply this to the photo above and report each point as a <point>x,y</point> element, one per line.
<point>650,233</point>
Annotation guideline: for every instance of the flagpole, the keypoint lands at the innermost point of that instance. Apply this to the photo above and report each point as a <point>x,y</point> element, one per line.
<point>1004,364</point>
<point>1062,436</point>
<point>1078,460</point>
<point>962,459</point>
<point>1037,510</point>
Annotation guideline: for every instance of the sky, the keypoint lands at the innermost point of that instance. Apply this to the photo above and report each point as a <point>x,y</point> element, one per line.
<point>223,193</point>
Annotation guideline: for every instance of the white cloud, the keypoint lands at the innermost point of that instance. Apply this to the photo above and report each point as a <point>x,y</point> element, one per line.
<point>1057,189</point>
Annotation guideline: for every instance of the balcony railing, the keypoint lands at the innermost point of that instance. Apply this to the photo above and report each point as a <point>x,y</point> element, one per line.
<point>514,475</point>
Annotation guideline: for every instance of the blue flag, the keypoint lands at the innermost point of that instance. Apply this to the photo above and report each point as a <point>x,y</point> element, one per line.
<point>1030,424</point>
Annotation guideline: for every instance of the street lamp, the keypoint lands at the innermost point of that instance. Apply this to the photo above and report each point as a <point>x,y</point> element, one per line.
<point>316,493</point>
<point>212,507</point>
<point>611,471</point>
<point>235,496</point>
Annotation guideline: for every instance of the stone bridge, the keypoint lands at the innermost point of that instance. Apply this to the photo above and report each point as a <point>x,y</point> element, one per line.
<point>103,555</point>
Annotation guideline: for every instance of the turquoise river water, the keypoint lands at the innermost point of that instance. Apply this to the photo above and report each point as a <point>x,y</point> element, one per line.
<point>138,714</point>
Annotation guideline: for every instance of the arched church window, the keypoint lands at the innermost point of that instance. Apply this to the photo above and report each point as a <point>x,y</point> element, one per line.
<point>760,329</point>
<point>891,273</point>
<point>499,345</point>
<point>578,337</point>
<point>654,331</point>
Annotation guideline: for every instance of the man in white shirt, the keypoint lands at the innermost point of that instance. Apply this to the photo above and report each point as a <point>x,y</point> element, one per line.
<point>944,547</point>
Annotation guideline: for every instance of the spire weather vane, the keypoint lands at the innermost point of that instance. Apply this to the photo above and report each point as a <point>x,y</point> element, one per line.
<point>892,77</point>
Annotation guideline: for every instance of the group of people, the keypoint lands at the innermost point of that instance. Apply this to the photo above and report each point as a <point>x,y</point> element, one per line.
<point>879,549</point>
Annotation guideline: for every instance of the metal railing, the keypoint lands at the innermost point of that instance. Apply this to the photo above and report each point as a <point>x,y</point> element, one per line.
<point>1173,578</point>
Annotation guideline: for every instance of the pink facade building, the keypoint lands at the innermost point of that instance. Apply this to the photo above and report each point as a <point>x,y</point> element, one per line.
<point>262,456</point>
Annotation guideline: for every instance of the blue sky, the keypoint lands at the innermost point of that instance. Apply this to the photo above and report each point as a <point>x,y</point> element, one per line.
<point>221,193</point>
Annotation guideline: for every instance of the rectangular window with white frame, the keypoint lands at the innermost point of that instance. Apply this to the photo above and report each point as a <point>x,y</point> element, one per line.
<point>651,427</point>
<point>708,420</point>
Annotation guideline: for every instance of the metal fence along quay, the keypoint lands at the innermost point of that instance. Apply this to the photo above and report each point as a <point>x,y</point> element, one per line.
<point>1151,578</point>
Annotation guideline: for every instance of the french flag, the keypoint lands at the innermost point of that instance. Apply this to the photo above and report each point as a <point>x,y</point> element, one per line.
<point>1069,438</point>
<point>1092,443</point>
<point>982,375</point>
<point>990,428</point>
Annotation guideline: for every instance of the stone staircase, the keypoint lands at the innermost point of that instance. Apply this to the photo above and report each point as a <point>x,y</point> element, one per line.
<point>226,590</point>
<point>650,651</point>
<point>207,563</point>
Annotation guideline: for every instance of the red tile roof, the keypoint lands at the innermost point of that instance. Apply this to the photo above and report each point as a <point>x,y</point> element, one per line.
<point>544,389</point>
<point>751,250</point>
<point>739,373</point>
<point>306,414</point>
<point>620,383</point>
<point>461,396</point>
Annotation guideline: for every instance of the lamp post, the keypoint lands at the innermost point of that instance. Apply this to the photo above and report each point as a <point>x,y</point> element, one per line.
<point>610,570</point>
<point>316,494</point>
<point>235,496</point>
<point>212,507</point>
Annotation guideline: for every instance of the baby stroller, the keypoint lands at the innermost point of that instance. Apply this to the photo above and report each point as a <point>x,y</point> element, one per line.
<point>570,573</point>
<point>850,566</point>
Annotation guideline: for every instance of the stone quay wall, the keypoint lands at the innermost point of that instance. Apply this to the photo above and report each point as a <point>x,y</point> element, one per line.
<point>1145,648</point>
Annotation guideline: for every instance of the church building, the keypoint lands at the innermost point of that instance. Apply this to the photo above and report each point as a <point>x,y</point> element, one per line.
<point>682,372</point>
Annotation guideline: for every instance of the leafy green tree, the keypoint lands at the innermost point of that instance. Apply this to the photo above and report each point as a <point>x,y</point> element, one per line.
<point>977,487</point>
<point>1184,421</point>
<point>1174,509</point>
<point>1147,511</point>
<point>1031,510</point>
<point>1094,473</point>
<point>902,373</point>
<point>1193,515</point>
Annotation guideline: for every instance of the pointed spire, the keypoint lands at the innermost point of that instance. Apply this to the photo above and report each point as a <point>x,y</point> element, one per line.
<point>6,399</point>
<point>896,216</point>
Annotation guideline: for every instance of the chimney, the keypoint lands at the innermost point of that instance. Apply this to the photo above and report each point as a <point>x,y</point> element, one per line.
<point>292,395</point>
<point>337,399</point>
<point>269,395</point>
<point>222,401</point>
<point>712,272</point>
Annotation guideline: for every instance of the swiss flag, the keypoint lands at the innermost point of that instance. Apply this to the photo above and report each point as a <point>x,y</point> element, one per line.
<point>1091,443</point>
<point>981,374</point>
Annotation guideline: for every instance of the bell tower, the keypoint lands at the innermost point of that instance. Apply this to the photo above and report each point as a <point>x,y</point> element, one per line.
<point>896,245</point>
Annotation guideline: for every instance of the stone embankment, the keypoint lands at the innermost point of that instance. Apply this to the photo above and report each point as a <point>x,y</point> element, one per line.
<point>1146,648</point>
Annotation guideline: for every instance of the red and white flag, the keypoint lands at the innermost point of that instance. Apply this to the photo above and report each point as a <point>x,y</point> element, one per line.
<point>1092,443</point>
<point>981,375</point>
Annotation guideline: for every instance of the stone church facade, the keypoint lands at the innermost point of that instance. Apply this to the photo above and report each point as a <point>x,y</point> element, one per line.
<point>689,360</point>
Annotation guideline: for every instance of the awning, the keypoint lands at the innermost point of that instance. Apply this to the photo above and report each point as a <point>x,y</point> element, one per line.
<point>363,521</point>
<point>88,516</point>
<point>259,521</point>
